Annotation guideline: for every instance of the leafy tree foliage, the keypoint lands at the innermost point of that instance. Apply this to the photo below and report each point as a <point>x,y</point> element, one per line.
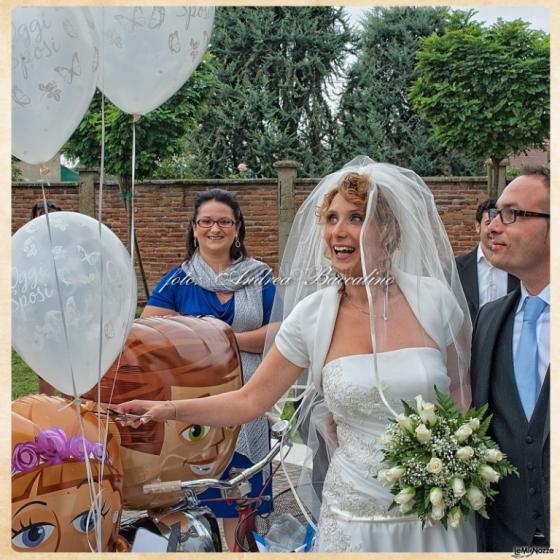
<point>375,116</point>
<point>160,135</point>
<point>275,65</point>
<point>486,90</point>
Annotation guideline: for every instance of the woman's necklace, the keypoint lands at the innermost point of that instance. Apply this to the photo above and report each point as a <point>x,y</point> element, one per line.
<point>364,312</point>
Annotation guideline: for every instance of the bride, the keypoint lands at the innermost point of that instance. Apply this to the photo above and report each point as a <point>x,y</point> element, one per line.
<point>373,312</point>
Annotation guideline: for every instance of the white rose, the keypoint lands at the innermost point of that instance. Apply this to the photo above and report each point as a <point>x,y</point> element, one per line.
<point>454,517</point>
<point>436,496</point>
<point>407,506</point>
<point>434,466</point>
<point>463,433</point>
<point>419,402</point>
<point>405,495</point>
<point>383,477</point>
<point>395,473</point>
<point>476,498</point>
<point>423,435</point>
<point>488,473</point>
<point>428,414</point>
<point>464,453</point>
<point>493,455</point>
<point>385,439</point>
<point>438,512</point>
<point>405,423</point>
<point>474,424</point>
<point>458,487</point>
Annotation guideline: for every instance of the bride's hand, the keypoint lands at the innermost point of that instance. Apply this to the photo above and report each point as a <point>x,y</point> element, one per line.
<point>142,412</point>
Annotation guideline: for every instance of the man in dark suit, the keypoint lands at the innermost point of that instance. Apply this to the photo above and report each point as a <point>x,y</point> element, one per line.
<point>511,361</point>
<point>481,281</point>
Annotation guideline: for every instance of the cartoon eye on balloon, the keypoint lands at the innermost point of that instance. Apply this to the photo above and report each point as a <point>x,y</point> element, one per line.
<point>32,535</point>
<point>195,433</point>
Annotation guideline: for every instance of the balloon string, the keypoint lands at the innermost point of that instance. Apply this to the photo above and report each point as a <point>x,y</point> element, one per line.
<point>101,317</point>
<point>93,494</point>
<point>44,179</point>
<point>372,317</point>
<point>131,240</point>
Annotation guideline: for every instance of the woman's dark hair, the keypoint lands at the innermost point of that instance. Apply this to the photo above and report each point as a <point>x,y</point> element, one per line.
<point>219,195</point>
<point>40,205</point>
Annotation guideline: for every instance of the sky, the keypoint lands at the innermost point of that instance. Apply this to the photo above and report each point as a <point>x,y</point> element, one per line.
<point>537,16</point>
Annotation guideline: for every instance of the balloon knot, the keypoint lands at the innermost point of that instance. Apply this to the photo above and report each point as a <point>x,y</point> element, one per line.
<point>136,117</point>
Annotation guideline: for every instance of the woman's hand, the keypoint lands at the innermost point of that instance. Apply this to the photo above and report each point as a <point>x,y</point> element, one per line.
<point>145,411</point>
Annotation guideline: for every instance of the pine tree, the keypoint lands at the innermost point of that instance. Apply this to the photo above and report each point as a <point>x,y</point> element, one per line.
<point>375,114</point>
<point>275,66</point>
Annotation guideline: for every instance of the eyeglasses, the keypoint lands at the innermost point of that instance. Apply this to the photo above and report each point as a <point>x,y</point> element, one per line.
<point>206,223</point>
<point>510,215</point>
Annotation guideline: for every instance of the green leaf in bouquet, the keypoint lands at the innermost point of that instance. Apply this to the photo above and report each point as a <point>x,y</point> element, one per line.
<point>480,413</point>
<point>393,505</point>
<point>408,410</point>
<point>484,425</point>
<point>444,522</point>
<point>483,513</point>
<point>446,405</point>
<point>426,498</point>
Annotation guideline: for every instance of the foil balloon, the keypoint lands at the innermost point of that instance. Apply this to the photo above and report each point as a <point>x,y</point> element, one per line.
<point>148,52</point>
<point>167,358</point>
<point>54,74</point>
<point>50,501</point>
<point>73,299</point>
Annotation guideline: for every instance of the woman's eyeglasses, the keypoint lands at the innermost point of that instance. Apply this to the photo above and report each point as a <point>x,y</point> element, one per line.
<point>206,223</point>
<point>510,215</point>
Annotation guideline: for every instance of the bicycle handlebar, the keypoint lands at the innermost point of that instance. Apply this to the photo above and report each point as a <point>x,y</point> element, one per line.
<point>280,429</point>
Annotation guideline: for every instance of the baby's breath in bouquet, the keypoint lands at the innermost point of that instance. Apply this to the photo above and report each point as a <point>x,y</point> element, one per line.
<point>439,462</point>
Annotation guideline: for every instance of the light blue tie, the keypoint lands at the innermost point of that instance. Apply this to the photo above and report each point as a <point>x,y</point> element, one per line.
<point>525,363</point>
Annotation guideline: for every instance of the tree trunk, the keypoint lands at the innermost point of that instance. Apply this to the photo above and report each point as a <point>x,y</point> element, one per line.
<point>497,168</point>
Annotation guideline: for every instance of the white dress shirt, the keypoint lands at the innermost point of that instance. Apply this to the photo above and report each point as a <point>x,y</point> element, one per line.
<point>543,329</point>
<point>492,281</point>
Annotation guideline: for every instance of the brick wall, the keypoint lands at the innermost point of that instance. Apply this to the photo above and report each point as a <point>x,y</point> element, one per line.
<point>162,208</point>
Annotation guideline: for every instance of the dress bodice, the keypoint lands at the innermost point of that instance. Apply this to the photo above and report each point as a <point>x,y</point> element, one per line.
<point>352,395</point>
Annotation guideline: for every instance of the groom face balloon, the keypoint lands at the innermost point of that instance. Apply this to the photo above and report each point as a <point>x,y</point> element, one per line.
<point>169,358</point>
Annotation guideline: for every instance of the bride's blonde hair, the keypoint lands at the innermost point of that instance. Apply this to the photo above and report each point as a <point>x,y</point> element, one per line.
<point>354,188</point>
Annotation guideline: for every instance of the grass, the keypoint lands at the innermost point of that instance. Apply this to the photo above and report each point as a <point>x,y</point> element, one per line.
<point>24,379</point>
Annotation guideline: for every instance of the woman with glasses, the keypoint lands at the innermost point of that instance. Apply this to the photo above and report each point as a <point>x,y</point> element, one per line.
<point>218,278</point>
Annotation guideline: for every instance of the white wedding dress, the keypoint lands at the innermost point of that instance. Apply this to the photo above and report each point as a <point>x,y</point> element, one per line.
<point>354,516</point>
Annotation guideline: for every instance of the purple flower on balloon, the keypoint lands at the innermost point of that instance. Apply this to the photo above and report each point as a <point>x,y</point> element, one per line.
<point>99,452</point>
<point>76,448</point>
<point>25,457</point>
<point>52,444</point>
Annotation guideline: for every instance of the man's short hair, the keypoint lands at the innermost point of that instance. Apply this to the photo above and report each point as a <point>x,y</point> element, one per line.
<point>538,170</point>
<point>484,207</point>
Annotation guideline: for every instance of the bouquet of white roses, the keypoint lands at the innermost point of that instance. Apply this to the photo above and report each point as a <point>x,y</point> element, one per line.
<point>439,463</point>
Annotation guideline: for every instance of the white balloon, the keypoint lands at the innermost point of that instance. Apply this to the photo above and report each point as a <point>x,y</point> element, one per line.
<point>38,332</point>
<point>148,52</point>
<point>54,74</point>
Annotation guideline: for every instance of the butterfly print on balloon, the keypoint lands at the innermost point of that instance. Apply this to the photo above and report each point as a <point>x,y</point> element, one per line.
<point>68,74</point>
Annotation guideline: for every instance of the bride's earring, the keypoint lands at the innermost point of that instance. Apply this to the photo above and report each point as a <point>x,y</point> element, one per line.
<point>237,243</point>
<point>196,243</point>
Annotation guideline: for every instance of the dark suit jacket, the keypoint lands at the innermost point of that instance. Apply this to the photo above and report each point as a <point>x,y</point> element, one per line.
<point>468,273</point>
<point>522,507</point>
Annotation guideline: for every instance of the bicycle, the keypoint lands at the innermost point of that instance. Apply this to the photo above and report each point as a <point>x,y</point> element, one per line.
<point>190,526</point>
